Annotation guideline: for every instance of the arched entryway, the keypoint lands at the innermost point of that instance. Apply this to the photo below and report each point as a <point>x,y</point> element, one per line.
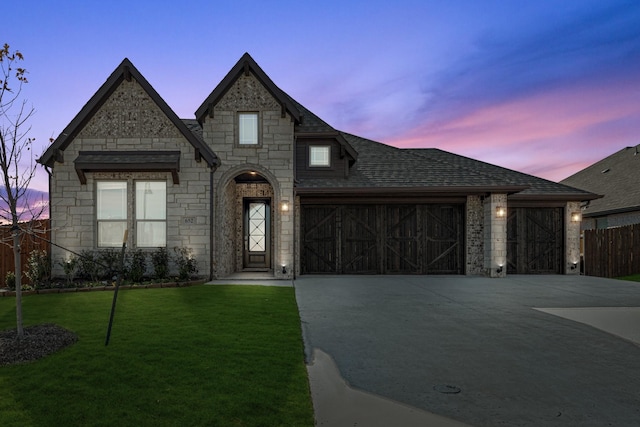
<point>245,223</point>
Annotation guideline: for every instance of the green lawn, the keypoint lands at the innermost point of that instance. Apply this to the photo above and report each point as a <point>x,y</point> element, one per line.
<point>197,356</point>
<point>632,278</point>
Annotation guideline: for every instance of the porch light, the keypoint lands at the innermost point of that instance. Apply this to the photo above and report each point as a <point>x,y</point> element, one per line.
<point>574,265</point>
<point>499,269</point>
<point>501,212</point>
<point>285,206</point>
<point>284,269</point>
<point>576,216</point>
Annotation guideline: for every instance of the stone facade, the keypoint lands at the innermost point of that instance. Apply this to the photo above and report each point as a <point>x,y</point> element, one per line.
<point>475,236</point>
<point>495,236</point>
<point>130,120</point>
<point>271,158</point>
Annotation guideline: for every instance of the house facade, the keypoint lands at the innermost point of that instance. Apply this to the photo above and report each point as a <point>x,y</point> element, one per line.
<point>616,178</point>
<point>257,182</point>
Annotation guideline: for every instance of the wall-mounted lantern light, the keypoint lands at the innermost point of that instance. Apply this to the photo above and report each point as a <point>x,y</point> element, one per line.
<point>285,206</point>
<point>576,216</point>
<point>499,269</point>
<point>284,269</point>
<point>501,212</point>
<point>574,265</point>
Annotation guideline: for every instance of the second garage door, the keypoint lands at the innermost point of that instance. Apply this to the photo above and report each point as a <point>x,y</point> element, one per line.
<point>382,239</point>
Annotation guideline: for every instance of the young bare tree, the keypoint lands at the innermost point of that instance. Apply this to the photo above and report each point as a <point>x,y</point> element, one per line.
<point>16,158</point>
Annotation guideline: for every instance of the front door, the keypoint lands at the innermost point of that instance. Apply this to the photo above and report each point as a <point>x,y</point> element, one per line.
<point>257,236</point>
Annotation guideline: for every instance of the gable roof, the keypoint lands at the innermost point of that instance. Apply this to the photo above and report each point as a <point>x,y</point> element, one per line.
<point>617,177</point>
<point>247,65</point>
<point>430,170</point>
<point>124,71</point>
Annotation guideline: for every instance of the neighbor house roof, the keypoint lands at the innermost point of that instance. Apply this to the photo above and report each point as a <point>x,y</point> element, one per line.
<point>617,178</point>
<point>125,71</point>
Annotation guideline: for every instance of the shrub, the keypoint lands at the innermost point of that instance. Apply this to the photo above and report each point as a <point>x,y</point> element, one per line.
<point>88,266</point>
<point>187,264</point>
<point>137,266</point>
<point>69,266</point>
<point>160,261</point>
<point>38,268</point>
<point>110,260</point>
<point>10,280</point>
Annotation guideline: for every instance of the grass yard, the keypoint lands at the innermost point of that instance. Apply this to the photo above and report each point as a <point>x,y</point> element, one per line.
<point>197,356</point>
<point>632,278</point>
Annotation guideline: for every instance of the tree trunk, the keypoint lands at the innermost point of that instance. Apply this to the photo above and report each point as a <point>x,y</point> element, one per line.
<point>18,273</point>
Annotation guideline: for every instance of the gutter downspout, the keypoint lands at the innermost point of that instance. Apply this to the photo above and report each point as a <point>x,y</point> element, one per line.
<point>211,227</point>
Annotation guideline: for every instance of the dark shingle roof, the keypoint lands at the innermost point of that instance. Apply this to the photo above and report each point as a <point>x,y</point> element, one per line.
<point>381,166</point>
<point>617,177</point>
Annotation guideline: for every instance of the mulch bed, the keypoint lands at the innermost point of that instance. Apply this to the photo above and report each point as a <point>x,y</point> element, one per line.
<point>38,341</point>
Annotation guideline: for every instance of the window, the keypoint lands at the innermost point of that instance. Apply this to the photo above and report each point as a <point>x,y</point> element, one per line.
<point>111,212</point>
<point>319,155</point>
<point>248,128</point>
<point>114,213</point>
<point>151,214</point>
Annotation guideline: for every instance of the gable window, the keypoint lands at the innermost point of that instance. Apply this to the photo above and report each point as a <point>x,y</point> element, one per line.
<point>248,128</point>
<point>111,212</point>
<point>151,214</point>
<point>319,155</point>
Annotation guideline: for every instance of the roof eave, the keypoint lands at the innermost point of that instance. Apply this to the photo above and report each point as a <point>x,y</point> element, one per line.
<point>436,190</point>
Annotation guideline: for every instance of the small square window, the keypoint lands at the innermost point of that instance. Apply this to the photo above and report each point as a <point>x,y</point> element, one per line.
<point>248,128</point>
<point>320,155</point>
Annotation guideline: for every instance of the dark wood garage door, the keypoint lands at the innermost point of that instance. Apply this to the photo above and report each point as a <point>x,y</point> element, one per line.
<point>535,241</point>
<point>383,239</point>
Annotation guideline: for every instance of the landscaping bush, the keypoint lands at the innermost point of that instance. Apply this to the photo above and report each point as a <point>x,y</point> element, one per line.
<point>88,266</point>
<point>38,268</point>
<point>187,264</point>
<point>160,261</point>
<point>69,266</point>
<point>137,266</point>
<point>10,280</point>
<point>110,260</point>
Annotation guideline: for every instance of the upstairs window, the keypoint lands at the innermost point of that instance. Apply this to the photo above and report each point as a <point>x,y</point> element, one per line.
<point>248,128</point>
<point>319,155</point>
<point>111,212</point>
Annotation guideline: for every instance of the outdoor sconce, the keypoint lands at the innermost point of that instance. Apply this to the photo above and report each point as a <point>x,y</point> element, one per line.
<point>576,216</point>
<point>574,265</point>
<point>285,206</point>
<point>284,269</point>
<point>501,212</point>
<point>499,270</point>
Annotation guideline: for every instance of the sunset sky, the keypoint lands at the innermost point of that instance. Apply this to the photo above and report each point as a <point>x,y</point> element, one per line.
<point>543,87</point>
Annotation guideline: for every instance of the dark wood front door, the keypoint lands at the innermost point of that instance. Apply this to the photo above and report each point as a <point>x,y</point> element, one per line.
<point>257,235</point>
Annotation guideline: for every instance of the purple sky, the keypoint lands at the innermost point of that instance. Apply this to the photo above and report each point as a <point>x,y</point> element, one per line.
<point>543,87</point>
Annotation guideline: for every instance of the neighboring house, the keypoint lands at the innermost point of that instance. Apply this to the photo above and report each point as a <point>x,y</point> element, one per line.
<point>259,183</point>
<point>617,178</point>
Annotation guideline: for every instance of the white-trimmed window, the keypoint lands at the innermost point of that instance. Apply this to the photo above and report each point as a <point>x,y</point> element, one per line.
<point>151,214</point>
<point>248,128</point>
<point>319,155</point>
<point>111,212</point>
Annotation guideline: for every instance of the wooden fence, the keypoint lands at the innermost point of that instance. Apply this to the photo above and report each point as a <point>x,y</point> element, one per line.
<point>612,252</point>
<point>29,243</point>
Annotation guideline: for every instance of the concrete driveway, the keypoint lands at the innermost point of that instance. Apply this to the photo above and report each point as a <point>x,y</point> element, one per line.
<point>476,350</point>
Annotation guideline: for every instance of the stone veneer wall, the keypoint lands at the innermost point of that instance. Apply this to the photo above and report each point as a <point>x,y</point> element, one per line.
<point>475,236</point>
<point>571,239</point>
<point>272,158</point>
<point>130,120</point>
<point>495,236</point>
